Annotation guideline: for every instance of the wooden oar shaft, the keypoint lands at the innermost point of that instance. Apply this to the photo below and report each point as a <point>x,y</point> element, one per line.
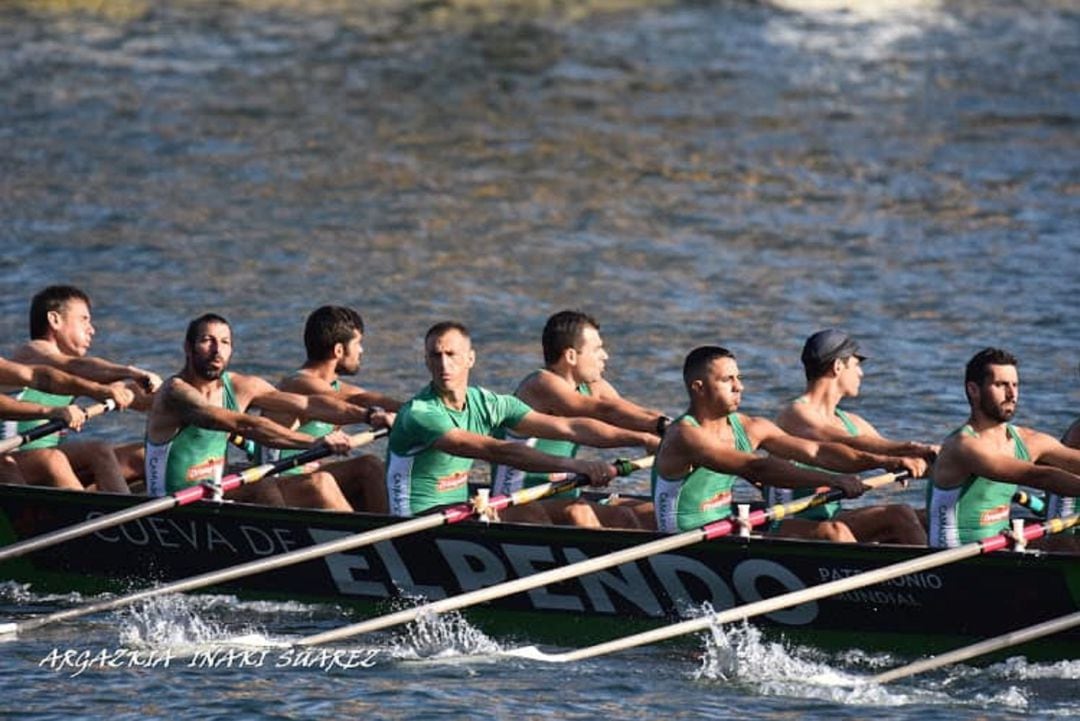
<point>180,498</point>
<point>990,645</point>
<point>453,514</point>
<point>54,426</point>
<point>581,568</point>
<point>787,600</point>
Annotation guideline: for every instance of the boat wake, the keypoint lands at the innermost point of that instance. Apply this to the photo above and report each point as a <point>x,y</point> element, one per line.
<point>739,655</point>
<point>15,593</point>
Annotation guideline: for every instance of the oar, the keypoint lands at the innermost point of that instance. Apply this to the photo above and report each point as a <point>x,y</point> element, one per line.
<point>787,600</point>
<point>590,565</point>
<point>453,514</point>
<point>54,426</point>
<point>983,647</point>
<point>180,498</point>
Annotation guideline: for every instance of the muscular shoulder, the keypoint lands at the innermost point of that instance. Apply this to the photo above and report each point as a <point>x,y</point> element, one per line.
<point>176,396</point>
<point>37,351</point>
<point>795,417</point>
<point>758,428</point>
<point>305,384</point>
<point>547,392</point>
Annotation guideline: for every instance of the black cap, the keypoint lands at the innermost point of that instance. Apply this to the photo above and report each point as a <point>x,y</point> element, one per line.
<point>825,346</point>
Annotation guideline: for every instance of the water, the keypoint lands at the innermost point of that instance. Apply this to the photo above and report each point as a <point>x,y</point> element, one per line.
<point>690,173</point>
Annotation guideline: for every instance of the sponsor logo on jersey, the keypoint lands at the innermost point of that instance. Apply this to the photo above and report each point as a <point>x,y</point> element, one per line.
<point>718,501</point>
<point>994,515</point>
<point>452,482</point>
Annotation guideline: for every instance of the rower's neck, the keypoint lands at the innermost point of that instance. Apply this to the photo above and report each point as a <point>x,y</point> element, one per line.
<point>709,416</point>
<point>987,427</point>
<point>323,370</point>
<point>824,397</point>
<point>561,370</point>
<point>205,387</point>
<point>453,398</point>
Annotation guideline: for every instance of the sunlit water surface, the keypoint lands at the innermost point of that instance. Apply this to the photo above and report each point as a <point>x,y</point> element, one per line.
<point>690,173</point>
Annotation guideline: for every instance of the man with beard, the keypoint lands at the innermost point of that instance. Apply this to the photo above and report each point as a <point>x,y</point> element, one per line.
<point>981,464</point>
<point>196,410</point>
<point>61,332</point>
<point>333,339</point>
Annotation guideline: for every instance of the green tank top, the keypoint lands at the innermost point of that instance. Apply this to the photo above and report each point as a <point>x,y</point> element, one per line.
<point>702,495</point>
<point>976,509</point>
<point>508,480</point>
<point>194,455</point>
<point>312,427</point>
<point>17,428</point>
<point>824,512</point>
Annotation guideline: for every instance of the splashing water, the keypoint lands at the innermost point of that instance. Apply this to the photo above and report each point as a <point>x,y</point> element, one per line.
<point>443,636</point>
<point>177,623</point>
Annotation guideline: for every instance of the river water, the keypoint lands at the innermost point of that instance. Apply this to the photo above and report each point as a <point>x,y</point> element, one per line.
<point>726,172</point>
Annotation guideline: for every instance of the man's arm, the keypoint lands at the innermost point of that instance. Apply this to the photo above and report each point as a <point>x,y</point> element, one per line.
<point>363,397</point>
<point>13,410</point>
<point>833,456</point>
<point>585,431</point>
<point>687,447</point>
<point>52,380</point>
<point>967,457</point>
<point>92,368</point>
<point>181,405</point>
<point>1049,451</point>
<point>329,408</point>
<point>310,385</point>
<point>798,420</point>
<point>462,443</point>
<point>555,396</point>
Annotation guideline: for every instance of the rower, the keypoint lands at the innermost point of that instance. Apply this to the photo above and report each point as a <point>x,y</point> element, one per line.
<point>196,410</point>
<point>48,380</point>
<point>711,445</point>
<point>443,428</point>
<point>833,364</point>
<point>61,332</point>
<point>571,383</point>
<point>982,463</point>
<point>333,339</point>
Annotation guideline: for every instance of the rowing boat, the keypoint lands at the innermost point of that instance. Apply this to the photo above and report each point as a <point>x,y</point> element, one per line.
<point>926,612</point>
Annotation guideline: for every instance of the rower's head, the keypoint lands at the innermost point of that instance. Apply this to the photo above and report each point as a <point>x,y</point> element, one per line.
<point>449,355</point>
<point>992,384</point>
<point>335,332</point>
<point>833,354</point>
<point>572,339</point>
<point>208,346</point>
<point>712,378</point>
<point>61,314</point>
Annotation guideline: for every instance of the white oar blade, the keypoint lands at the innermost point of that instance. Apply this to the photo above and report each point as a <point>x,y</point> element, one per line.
<point>530,653</point>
